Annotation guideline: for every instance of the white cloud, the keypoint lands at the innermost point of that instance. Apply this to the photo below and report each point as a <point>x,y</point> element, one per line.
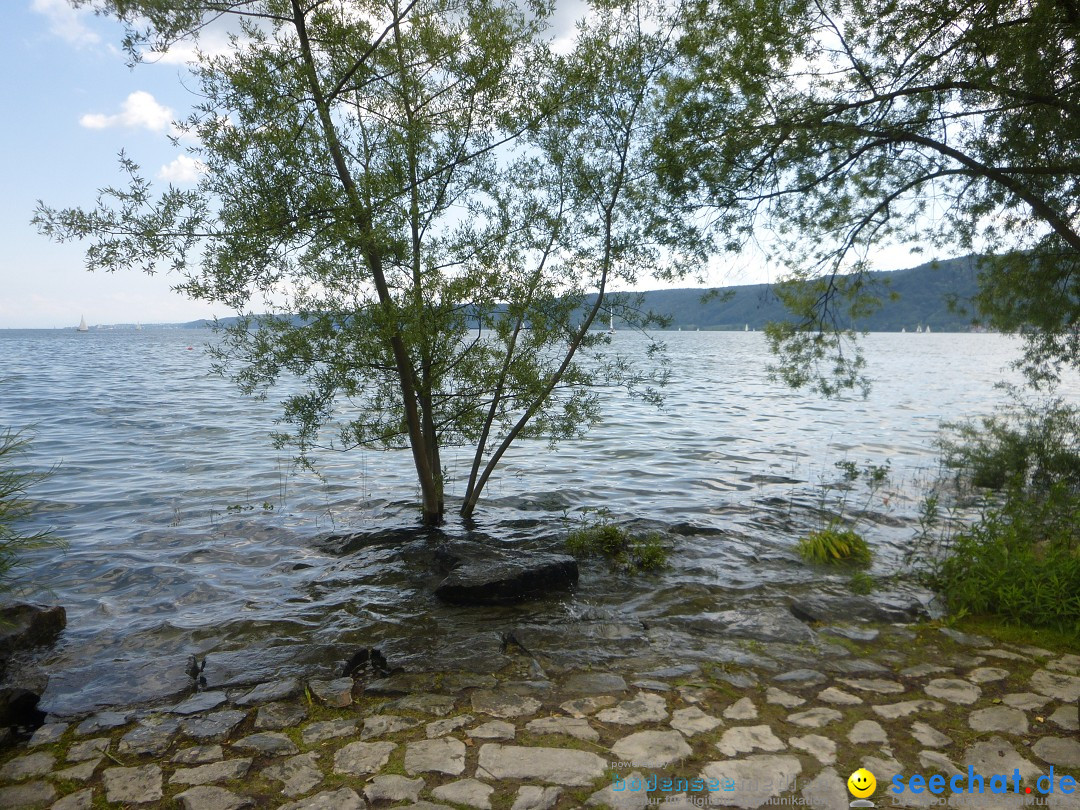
<point>140,110</point>
<point>66,22</point>
<point>184,169</point>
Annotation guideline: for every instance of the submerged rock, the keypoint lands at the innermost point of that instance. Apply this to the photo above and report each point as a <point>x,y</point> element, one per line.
<point>23,626</point>
<point>482,575</point>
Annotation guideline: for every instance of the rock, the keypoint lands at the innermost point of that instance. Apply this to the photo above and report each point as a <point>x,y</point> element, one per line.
<point>336,694</point>
<point>953,690</point>
<point>485,575</point>
<point>826,789</point>
<point>999,718</point>
<point>133,785</point>
<point>199,755</point>
<point>867,731</point>
<point>274,716</point>
<point>1028,701</point>
<point>1060,751</point>
<point>327,730</point>
<point>570,726</point>
<point>212,798</point>
<point>827,609</point>
<point>1057,685</point>
<point>838,697</point>
<point>594,683</point>
<point>501,703</point>
<point>200,702</point>
<point>270,692</point>
<point>1069,663</point>
<point>741,709</point>
<point>879,685</point>
<point>744,739</point>
<point>31,794</point>
<point>801,677</point>
<point>998,756</point>
<point>494,730</point>
<point>440,728</point>
<point>853,633</point>
<point>469,792</point>
<point>693,721</point>
<point>102,721</point>
<point>151,737</point>
<point>360,758</point>
<point>393,788</point>
<point>341,799</point>
<point>987,675</point>
<point>83,772</point>
<point>779,697</point>
<point>820,748</point>
<point>652,686</point>
<point>647,707</point>
<point>23,626</point>
<point>379,725</point>
<point>441,755</point>
<point>214,727</point>
<point>583,707</point>
<point>762,624</point>
<point>48,733</point>
<point>213,772</point>
<point>82,800</point>
<point>557,765</point>
<point>532,797</point>
<point>298,774</point>
<point>15,770</point>
<point>1066,718</point>
<point>929,736</point>
<point>754,780</point>
<point>967,639</point>
<point>426,805</point>
<point>652,749</point>
<point>18,708</point>
<point>894,711</point>
<point>624,794</point>
<point>88,749</point>
<point>815,718</point>
<point>937,762</point>
<point>1005,654</point>
<point>922,670</point>
<point>438,705</point>
<point>268,743</point>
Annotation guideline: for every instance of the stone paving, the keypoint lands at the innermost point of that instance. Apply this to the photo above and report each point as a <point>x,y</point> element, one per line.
<point>895,700</point>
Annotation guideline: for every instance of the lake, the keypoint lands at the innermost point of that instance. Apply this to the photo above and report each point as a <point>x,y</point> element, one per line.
<point>189,533</point>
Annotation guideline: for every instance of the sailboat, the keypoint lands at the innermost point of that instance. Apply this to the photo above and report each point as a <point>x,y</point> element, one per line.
<point>611,323</point>
<point>918,329</point>
<point>82,327</point>
<point>138,327</point>
<point>746,328</point>
<point>928,329</point>
<point>903,329</point>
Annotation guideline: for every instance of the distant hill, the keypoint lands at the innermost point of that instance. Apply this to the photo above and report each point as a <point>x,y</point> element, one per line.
<point>923,293</point>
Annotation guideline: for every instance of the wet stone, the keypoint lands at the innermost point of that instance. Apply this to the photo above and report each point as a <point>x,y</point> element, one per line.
<point>438,705</point>
<point>500,703</point>
<point>494,730</point>
<point>268,743</point>
<point>570,726</point>
<point>967,661</point>
<point>102,721</point>
<point>647,707</point>
<point>953,690</point>
<point>82,800</point>
<point>213,772</point>
<point>1067,663</point>
<point>741,709</point>
<point>838,697</point>
<point>820,748</point>
<point>88,749</point>
<point>744,739</point>
<point>1028,701</point>
<point>692,720</point>
<point>652,749</point>
<point>151,737</point>
<point>815,718</point>
<point>341,799</point>
<point>83,772</point>
<point>879,686</point>
<point>894,711</point>
<point>132,785</point>
<point>204,797</point>
<point>379,725</point>
<point>999,718</point>
<point>393,788</point>
<point>297,774</point>
<point>922,670</point>
<point>1063,752</point>
<point>360,758</point>
<point>937,762</point>
<point>442,755</point>
<point>1066,717</point>
<point>929,736</point>
<point>469,792</point>
<point>801,677</point>
<point>48,733</point>
<point>200,702</point>
<point>987,674</point>
<point>199,755</point>
<point>440,728</point>
<point>1057,685</point>
<point>583,707</point>
<point>534,797</point>
<point>967,639</point>
<point>275,716</point>
<point>778,697</point>
<point>594,683</point>
<point>26,766</point>
<point>1006,655</point>
<point>853,633</point>
<point>998,756</point>
<point>270,692</point>
<point>756,779</point>
<point>31,794</point>
<point>556,765</point>
<point>624,794</point>
<point>867,731</point>
<point>327,730</point>
<point>336,694</point>
<point>212,727</point>
<point>652,686</point>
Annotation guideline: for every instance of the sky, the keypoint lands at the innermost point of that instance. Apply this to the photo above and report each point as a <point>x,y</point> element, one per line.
<point>74,104</point>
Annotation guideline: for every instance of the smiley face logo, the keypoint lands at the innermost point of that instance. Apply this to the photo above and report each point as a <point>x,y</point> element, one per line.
<point>861,783</point>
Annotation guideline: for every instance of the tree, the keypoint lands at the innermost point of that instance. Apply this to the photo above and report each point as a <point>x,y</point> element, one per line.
<point>841,125</point>
<point>431,204</point>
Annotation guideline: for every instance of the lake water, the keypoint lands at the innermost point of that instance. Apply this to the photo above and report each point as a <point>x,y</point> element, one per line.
<point>188,533</point>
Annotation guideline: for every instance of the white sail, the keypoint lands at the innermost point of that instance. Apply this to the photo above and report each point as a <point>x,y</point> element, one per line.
<point>611,323</point>
<point>82,325</point>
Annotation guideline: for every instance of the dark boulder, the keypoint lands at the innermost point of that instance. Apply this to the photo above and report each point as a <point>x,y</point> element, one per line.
<point>483,575</point>
<point>23,626</point>
<point>885,607</point>
<point>18,709</point>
